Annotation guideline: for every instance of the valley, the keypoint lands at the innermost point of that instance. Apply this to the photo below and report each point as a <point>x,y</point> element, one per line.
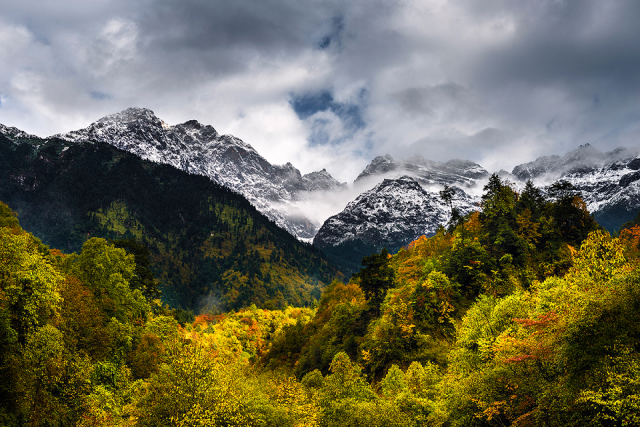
<point>138,289</point>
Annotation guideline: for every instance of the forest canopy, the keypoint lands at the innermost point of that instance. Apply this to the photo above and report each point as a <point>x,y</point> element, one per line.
<point>524,313</point>
<point>206,247</point>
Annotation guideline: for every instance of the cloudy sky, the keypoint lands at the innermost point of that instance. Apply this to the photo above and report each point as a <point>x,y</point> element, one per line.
<point>332,84</point>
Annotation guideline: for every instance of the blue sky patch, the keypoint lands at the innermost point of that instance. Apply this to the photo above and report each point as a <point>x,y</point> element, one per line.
<point>350,113</point>
<point>337,26</point>
<point>325,42</point>
<point>309,104</point>
<point>100,96</point>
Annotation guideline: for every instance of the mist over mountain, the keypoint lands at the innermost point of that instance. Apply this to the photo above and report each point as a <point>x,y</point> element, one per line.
<point>227,160</point>
<point>210,249</point>
<point>461,173</point>
<point>305,204</point>
<point>407,203</point>
<point>585,158</point>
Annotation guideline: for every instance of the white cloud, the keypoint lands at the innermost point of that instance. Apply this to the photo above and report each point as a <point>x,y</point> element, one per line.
<point>497,82</point>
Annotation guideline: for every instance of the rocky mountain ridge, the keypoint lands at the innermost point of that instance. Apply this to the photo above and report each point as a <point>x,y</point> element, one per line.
<point>396,210</point>
<point>14,134</point>
<point>461,173</point>
<point>199,149</point>
<point>611,191</point>
<point>585,158</point>
<point>609,182</point>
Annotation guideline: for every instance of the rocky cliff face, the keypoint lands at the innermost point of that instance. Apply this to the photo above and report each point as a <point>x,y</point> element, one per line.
<point>399,210</point>
<point>461,173</point>
<point>392,214</point>
<point>583,159</point>
<point>199,149</point>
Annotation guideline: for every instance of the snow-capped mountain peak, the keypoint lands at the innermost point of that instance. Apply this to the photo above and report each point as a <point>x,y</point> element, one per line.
<point>582,159</point>
<point>199,149</point>
<point>462,173</point>
<point>392,214</point>
<point>15,134</point>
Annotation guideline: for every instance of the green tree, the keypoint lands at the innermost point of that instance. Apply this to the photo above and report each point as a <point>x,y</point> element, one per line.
<point>572,220</point>
<point>107,271</point>
<point>53,380</point>
<point>499,221</point>
<point>456,217</point>
<point>29,283</point>
<point>143,277</point>
<point>8,218</point>
<point>195,389</point>
<point>375,278</point>
<point>532,199</point>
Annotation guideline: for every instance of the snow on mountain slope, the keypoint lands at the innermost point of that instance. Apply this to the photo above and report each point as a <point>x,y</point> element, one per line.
<point>405,203</point>
<point>609,182</point>
<point>584,158</point>
<point>461,173</point>
<point>392,214</point>
<point>399,210</point>
<point>611,192</point>
<point>16,135</point>
<point>199,149</point>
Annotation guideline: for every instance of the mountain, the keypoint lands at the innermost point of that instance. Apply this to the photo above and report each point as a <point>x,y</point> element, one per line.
<point>392,214</point>
<point>608,181</point>
<point>404,206</point>
<point>16,135</point>
<point>199,149</point>
<point>400,209</point>
<point>583,159</point>
<point>460,173</point>
<point>210,248</point>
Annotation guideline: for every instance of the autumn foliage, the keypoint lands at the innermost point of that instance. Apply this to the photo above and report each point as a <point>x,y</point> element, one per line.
<point>522,314</point>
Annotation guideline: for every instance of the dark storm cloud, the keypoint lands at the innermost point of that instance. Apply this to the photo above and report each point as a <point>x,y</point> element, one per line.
<point>568,43</point>
<point>331,82</point>
<point>550,74</point>
<point>226,35</point>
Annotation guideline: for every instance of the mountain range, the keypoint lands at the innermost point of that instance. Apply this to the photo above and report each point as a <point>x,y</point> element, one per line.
<point>609,184</point>
<point>399,198</point>
<point>460,173</point>
<point>210,249</point>
<point>227,160</point>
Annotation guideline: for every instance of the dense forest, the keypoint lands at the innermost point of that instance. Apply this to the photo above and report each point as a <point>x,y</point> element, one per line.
<point>208,247</point>
<point>526,313</point>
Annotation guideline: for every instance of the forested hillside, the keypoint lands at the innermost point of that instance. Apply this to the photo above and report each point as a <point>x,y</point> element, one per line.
<point>210,249</point>
<point>524,314</point>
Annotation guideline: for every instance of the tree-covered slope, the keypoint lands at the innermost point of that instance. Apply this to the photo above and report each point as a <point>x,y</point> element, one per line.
<point>210,248</point>
<point>542,334</point>
<point>522,314</point>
